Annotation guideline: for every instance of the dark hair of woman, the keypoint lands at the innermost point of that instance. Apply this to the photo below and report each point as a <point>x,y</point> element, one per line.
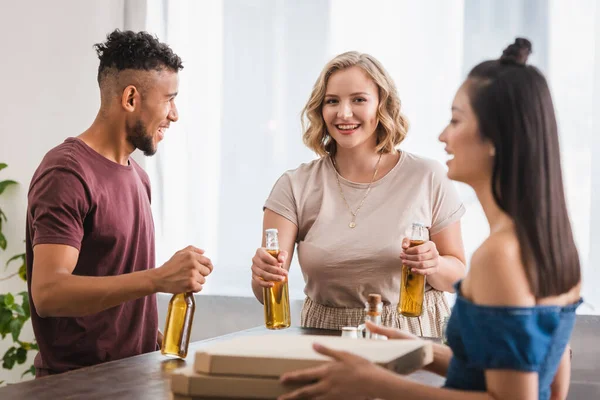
<point>514,109</point>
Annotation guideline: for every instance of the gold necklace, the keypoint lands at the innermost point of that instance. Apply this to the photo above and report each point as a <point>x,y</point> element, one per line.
<point>352,223</point>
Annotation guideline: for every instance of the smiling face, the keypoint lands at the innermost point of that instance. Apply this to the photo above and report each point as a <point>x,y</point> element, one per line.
<point>147,126</point>
<point>350,108</point>
<point>471,155</point>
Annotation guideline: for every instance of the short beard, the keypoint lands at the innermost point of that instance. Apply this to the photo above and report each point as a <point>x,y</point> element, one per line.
<point>140,139</point>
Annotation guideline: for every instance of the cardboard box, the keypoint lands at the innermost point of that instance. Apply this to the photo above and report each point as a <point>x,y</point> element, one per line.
<point>184,397</point>
<point>175,396</point>
<point>272,355</point>
<point>189,385</point>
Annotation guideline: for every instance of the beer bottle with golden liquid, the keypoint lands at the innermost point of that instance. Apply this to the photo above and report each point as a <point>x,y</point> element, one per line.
<point>276,299</point>
<point>412,285</point>
<point>178,327</point>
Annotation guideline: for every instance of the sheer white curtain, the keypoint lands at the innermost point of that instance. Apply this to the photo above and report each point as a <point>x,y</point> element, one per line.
<point>250,66</point>
<point>592,272</point>
<point>572,69</point>
<point>185,172</point>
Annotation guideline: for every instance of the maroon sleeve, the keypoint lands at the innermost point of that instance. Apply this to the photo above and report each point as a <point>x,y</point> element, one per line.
<point>58,204</point>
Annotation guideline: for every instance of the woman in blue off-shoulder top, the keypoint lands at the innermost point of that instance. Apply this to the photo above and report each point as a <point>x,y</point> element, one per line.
<point>515,310</point>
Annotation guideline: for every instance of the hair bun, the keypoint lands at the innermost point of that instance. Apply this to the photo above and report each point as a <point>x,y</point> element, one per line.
<point>517,53</point>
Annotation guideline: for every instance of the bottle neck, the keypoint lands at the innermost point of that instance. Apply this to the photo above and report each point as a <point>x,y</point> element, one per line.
<point>419,233</point>
<point>272,242</point>
<point>186,295</point>
<point>373,309</point>
<point>374,318</point>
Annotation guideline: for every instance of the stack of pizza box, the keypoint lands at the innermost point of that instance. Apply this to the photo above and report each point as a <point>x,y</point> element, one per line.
<point>249,367</point>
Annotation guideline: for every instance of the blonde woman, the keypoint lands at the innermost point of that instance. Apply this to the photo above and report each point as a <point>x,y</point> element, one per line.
<point>350,211</point>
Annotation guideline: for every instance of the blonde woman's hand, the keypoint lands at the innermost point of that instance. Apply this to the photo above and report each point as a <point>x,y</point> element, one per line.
<point>423,259</point>
<point>267,269</point>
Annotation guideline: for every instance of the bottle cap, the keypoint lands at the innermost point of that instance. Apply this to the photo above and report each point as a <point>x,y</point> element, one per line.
<point>374,304</point>
<point>374,299</point>
<point>271,231</point>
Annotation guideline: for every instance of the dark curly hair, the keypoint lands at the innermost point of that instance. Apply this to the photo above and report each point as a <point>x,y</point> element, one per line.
<point>134,50</point>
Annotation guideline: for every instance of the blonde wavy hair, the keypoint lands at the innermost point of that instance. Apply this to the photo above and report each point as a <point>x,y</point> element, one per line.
<point>392,125</point>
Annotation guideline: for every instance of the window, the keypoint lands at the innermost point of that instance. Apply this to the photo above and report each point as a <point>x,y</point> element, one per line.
<point>250,67</point>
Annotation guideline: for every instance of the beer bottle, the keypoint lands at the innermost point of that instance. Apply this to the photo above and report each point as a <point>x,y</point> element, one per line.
<point>412,285</point>
<point>276,299</point>
<point>178,327</point>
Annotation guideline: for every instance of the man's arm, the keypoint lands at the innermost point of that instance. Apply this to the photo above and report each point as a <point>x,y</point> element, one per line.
<point>56,292</point>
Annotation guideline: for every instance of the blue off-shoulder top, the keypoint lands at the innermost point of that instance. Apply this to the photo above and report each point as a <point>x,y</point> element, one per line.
<point>529,339</point>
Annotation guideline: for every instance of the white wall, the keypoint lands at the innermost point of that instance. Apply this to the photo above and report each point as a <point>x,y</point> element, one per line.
<point>49,92</point>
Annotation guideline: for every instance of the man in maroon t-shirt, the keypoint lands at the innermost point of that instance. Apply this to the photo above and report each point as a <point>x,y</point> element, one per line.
<point>90,234</point>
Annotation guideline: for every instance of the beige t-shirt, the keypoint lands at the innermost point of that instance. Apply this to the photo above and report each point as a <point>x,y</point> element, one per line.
<point>342,266</point>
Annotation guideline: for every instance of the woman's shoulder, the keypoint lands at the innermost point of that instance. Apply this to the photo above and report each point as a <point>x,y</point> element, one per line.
<point>417,165</point>
<point>421,162</point>
<point>497,275</point>
<point>503,243</point>
<point>307,169</point>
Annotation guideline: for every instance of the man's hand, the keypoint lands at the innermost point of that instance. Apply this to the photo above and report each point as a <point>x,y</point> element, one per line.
<point>185,272</point>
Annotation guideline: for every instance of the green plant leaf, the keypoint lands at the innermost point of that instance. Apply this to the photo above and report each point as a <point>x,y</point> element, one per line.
<point>14,258</point>
<point>28,346</point>
<point>25,304</point>
<point>21,355</point>
<point>8,361</point>
<point>2,216</point>
<point>5,318</point>
<point>31,371</point>
<point>2,241</point>
<point>9,299</point>
<point>23,272</point>
<point>2,166</point>
<point>18,309</point>
<point>26,308</point>
<point>15,328</point>
<point>5,184</point>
